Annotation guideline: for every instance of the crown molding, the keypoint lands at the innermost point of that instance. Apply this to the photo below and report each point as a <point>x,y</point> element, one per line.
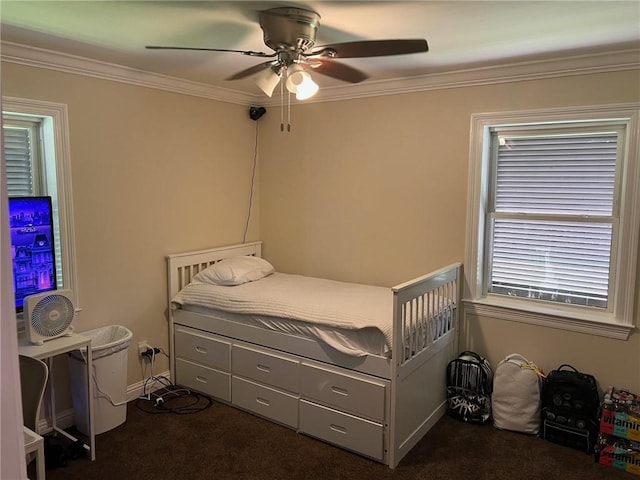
<point>513,72</point>
<point>62,62</point>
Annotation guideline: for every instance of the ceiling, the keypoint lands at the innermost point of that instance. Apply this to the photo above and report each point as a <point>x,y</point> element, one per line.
<point>462,35</point>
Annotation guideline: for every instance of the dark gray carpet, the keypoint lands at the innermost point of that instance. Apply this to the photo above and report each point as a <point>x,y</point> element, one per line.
<point>225,443</point>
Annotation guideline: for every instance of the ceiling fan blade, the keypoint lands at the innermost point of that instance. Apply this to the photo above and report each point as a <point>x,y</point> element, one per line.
<point>337,70</point>
<point>243,52</point>
<point>250,71</point>
<point>373,48</point>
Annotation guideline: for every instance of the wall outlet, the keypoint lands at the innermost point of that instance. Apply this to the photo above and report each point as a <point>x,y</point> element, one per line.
<point>143,346</point>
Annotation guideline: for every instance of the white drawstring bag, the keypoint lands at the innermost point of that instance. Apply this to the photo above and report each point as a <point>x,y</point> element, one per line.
<point>516,400</point>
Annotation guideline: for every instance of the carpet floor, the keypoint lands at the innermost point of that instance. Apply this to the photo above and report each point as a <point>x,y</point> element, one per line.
<point>222,443</point>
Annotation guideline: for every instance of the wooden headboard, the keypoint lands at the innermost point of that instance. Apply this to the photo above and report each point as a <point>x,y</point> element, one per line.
<point>182,267</point>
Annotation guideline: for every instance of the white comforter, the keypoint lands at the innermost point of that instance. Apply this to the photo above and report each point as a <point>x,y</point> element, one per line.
<point>310,299</point>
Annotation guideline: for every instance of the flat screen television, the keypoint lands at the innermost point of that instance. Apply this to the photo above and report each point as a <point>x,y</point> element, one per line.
<point>32,247</point>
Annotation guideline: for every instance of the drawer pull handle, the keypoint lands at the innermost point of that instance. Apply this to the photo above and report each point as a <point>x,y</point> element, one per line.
<point>263,368</point>
<point>263,401</point>
<point>201,379</point>
<point>201,350</point>
<point>340,391</point>
<point>338,428</point>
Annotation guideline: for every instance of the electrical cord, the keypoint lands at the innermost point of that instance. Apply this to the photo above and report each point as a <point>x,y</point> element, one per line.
<point>180,401</point>
<point>253,176</point>
<point>100,391</point>
<point>169,398</point>
<point>105,394</point>
<point>153,378</point>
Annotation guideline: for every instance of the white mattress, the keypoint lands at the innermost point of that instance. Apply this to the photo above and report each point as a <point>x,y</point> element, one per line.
<point>352,318</point>
<point>360,342</point>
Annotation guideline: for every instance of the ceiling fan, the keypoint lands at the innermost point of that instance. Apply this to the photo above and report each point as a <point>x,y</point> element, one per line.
<point>291,33</point>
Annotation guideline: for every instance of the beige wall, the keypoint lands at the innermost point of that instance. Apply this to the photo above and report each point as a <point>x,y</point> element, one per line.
<point>369,190</point>
<point>374,190</point>
<point>153,173</point>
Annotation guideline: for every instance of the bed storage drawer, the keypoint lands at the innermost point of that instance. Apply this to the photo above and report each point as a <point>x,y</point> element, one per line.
<point>342,429</point>
<point>364,397</point>
<point>204,379</point>
<point>201,347</point>
<point>265,367</point>
<point>268,402</point>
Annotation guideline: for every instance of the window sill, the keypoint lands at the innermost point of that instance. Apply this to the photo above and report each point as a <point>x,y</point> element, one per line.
<point>548,316</point>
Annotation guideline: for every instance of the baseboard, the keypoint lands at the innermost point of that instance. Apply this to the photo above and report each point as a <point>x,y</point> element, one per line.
<point>66,418</point>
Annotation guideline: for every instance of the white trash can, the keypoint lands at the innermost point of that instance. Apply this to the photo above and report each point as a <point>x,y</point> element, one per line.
<point>109,349</point>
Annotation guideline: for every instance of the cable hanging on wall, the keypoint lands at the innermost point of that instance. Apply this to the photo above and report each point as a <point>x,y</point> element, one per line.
<point>254,113</point>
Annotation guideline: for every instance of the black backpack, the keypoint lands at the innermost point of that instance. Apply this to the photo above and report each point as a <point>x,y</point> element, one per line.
<point>469,386</point>
<point>570,403</point>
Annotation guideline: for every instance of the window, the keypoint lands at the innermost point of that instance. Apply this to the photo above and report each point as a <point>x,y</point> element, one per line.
<point>36,149</point>
<point>553,217</point>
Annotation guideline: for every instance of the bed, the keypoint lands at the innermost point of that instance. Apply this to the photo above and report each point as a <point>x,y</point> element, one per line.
<point>366,374</point>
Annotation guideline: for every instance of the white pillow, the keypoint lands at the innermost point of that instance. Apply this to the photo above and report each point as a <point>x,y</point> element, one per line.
<point>235,271</point>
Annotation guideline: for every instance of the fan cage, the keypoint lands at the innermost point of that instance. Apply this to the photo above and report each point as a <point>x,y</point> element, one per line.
<point>52,315</point>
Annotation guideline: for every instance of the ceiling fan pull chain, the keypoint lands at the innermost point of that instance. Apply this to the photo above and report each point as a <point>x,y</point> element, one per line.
<point>288,111</point>
<point>282,106</point>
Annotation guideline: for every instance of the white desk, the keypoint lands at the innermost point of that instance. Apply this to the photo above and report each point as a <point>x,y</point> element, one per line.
<point>50,349</point>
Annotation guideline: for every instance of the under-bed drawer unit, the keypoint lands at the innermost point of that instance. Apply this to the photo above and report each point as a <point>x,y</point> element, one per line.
<point>203,379</point>
<point>265,367</point>
<point>362,396</point>
<point>202,347</point>
<point>268,402</point>
<point>348,431</point>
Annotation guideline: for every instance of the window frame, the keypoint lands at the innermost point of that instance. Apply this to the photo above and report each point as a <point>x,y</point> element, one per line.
<point>616,323</point>
<point>565,129</point>
<point>59,148</point>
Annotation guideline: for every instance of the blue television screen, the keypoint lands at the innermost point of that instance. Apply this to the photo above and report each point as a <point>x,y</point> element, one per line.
<point>32,246</point>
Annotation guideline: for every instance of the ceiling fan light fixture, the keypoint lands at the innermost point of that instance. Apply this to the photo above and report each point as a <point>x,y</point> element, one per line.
<point>300,83</point>
<point>267,80</point>
<point>307,89</point>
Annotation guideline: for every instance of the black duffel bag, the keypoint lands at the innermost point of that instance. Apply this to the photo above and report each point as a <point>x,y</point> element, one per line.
<point>570,403</point>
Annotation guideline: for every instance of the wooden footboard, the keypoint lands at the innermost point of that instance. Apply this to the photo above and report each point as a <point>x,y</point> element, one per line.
<point>410,386</point>
<point>425,327</point>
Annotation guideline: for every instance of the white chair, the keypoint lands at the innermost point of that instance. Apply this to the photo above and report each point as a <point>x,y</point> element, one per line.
<point>34,444</point>
<point>33,380</point>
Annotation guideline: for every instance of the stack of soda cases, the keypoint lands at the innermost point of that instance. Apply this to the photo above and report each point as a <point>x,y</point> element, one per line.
<point>618,444</point>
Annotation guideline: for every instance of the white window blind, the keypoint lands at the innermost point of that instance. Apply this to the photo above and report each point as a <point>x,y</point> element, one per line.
<point>552,220</point>
<point>19,166</point>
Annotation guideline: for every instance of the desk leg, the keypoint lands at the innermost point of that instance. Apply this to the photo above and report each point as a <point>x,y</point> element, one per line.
<point>52,396</point>
<point>52,403</point>
<point>92,440</point>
